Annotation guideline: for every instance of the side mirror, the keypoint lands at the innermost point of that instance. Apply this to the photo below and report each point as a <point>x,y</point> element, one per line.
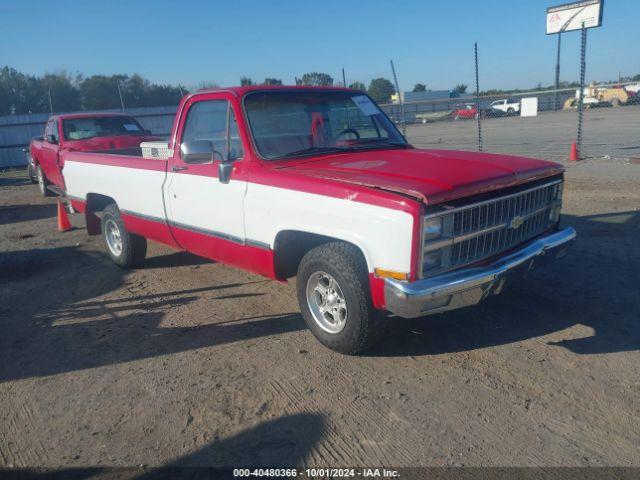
<point>51,139</point>
<point>197,151</point>
<point>224,171</point>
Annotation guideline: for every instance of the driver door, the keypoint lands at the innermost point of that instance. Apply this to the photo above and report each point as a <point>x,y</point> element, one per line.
<point>205,215</point>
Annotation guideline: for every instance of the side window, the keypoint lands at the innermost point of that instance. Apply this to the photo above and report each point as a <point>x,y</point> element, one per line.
<point>214,120</point>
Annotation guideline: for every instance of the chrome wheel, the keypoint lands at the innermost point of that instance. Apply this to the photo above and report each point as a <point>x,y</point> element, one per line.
<point>113,236</point>
<point>326,302</point>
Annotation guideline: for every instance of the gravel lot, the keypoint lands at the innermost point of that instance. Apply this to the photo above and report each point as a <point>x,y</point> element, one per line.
<point>607,131</point>
<point>188,362</point>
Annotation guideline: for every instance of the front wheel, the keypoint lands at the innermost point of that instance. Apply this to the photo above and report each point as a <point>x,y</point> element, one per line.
<point>124,248</point>
<point>335,299</point>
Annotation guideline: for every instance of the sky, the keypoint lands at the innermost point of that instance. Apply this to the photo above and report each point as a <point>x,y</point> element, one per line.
<point>205,41</point>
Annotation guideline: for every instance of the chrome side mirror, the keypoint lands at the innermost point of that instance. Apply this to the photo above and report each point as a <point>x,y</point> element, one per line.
<point>197,151</point>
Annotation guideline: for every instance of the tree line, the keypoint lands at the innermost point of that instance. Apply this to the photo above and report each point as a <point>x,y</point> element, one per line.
<point>61,92</point>
<point>22,93</point>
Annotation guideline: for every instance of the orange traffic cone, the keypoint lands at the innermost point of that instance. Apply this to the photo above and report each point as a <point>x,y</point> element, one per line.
<point>63,219</point>
<point>574,155</point>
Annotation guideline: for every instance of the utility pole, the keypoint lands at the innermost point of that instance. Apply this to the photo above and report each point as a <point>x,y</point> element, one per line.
<point>395,79</point>
<point>50,101</point>
<point>120,94</point>
<point>344,79</point>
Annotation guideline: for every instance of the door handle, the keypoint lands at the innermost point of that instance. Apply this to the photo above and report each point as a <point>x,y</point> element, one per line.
<point>178,168</point>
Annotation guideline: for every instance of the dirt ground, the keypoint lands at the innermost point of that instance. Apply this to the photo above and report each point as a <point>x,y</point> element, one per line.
<point>188,362</point>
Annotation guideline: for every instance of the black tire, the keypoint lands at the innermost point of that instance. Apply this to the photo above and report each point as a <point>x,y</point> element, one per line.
<point>363,324</point>
<point>510,111</point>
<point>133,248</point>
<point>43,183</point>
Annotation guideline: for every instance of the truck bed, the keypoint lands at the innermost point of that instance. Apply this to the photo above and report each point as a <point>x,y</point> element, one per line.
<point>116,175</point>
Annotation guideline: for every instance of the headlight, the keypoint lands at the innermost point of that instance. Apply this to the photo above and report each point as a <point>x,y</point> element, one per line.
<point>432,228</point>
<point>435,231</point>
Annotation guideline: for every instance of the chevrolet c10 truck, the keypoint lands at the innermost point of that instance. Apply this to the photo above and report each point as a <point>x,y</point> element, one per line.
<point>318,184</point>
<point>83,132</point>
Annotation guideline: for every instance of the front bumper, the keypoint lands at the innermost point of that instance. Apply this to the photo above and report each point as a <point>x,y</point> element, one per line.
<point>468,286</point>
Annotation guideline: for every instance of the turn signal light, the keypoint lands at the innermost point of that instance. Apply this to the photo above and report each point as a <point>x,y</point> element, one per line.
<point>391,274</point>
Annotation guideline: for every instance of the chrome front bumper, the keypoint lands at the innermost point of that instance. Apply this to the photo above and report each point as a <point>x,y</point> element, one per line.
<point>468,286</point>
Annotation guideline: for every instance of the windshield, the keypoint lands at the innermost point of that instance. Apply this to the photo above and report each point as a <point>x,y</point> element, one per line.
<point>81,128</point>
<point>296,123</point>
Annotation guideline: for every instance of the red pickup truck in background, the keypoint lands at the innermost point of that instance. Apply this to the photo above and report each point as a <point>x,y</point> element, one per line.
<point>83,132</point>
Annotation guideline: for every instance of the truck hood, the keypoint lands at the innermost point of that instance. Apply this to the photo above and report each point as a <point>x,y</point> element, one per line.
<point>432,176</point>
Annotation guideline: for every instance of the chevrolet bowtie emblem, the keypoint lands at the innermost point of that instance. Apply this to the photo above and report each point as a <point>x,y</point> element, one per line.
<point>516,222</point>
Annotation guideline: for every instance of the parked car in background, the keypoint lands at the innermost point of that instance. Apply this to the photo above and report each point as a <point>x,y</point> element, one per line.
<point>510,106</point>
<point>318,184</point>
<point>464,111</point>
<point>84,132</point>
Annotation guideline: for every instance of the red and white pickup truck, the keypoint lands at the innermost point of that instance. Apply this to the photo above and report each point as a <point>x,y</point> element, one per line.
<point>84,132</point>
<point>318,183</point>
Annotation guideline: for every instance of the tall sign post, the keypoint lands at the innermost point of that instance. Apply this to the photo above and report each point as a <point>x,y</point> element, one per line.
<point>478,115</point>
<point>556,106</point>
<point>566,18</point>
<point>583,51</point>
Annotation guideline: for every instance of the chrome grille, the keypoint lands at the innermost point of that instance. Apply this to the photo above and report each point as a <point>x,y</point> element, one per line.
<point>480,230</point>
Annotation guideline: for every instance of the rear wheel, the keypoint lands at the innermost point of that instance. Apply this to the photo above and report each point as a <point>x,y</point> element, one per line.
<point>510,111</point>
<point>43,183</point>
<point>335,299</point>
<point>124,248</point>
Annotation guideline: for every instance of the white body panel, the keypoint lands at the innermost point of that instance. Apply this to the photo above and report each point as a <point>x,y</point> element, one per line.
<point>249,211</point>
<point>204,203</point>
<point>133,189</point>
<point>384,235</point>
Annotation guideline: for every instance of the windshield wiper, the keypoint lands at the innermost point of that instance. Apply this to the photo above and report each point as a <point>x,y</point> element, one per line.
<point>312,150</point>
